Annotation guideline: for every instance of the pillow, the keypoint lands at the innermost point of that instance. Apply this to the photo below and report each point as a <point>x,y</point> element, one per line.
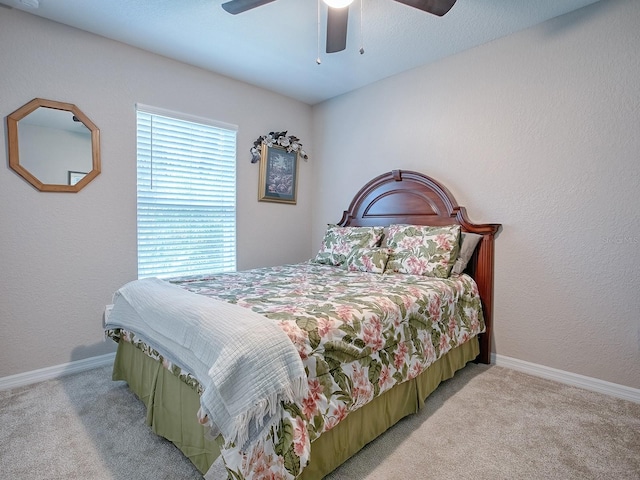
<point>372,260</point>
<point>338,242</point>
<point>423,250</point>
<point>468,244</point>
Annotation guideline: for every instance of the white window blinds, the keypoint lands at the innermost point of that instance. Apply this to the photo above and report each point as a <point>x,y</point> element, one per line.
<point>186,195</point>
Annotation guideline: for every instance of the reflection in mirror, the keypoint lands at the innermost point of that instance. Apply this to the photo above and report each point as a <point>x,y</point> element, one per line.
<point>53,146</point>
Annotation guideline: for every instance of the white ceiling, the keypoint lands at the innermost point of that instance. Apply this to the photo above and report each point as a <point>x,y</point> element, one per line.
<point>275,46</point>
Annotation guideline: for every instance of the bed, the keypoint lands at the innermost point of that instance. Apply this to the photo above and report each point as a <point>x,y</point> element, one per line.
<point>375,332</point>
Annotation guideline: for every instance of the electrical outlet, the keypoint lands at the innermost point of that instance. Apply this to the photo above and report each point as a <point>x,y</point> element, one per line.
<point>107,313</point>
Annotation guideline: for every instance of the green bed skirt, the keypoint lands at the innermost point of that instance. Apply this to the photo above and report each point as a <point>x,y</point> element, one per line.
<point>172,408</point>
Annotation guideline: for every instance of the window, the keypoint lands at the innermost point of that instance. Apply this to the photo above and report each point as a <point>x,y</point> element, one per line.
<point>186,194</point>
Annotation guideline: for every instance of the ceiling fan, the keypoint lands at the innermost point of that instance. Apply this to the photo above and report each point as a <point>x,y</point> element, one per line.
<point>338,15</point>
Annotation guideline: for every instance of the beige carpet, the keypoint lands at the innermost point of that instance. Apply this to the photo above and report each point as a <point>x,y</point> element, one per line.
<point>85,426</point>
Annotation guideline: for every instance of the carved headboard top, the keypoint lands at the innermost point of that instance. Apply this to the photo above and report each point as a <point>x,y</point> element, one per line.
<point>403,196</point>
<point>407,197</point>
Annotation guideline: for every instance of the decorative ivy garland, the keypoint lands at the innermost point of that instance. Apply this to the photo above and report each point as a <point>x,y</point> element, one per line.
<point>279,139</point>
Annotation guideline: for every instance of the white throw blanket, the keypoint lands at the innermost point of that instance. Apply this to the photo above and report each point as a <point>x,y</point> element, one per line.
<point>245,362</point>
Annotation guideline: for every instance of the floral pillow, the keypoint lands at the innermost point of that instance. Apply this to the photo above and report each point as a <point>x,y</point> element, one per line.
<point>372,260</point>
<point>423,250</point>
<point>339,242</point>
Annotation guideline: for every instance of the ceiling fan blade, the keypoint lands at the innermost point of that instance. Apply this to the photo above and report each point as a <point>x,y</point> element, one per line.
<point>436,7</point>
<point>238,6</point>
<point>337,29</point>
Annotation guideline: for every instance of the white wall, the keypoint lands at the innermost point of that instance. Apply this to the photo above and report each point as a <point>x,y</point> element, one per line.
<point>539,131</point>
<point>62,255</point>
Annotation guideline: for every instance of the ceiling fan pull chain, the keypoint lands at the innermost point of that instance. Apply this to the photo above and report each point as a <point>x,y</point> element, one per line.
<point>318,61</point>
<point>361,29</point>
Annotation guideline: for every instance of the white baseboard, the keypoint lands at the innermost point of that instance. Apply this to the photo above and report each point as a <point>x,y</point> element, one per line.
<point>573,379</point>
<point>56,371</point>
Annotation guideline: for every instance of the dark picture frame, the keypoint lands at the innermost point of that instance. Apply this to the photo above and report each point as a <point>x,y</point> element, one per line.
<point>278,175</point>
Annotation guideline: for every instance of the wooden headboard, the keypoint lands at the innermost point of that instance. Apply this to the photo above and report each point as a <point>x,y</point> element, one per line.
<point>402,196</point>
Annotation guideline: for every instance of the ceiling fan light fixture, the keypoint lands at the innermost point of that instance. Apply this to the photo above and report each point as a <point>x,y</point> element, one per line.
<point>338,3</point>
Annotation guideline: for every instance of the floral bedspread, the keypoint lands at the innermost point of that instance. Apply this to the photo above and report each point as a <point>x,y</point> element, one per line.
<point>358,334</point>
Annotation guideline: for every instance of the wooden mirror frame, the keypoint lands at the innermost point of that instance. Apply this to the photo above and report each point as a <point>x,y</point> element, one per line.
<point>14,152</point>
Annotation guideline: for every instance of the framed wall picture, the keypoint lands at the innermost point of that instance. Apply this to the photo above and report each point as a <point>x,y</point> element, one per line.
<point>278,175</point>
<point>75,177</point>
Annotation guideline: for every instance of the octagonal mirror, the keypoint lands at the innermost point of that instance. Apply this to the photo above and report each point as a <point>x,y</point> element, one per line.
<point>53,146</point>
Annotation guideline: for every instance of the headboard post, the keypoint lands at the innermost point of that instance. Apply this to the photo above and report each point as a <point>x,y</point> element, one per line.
<point>483,275</point>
